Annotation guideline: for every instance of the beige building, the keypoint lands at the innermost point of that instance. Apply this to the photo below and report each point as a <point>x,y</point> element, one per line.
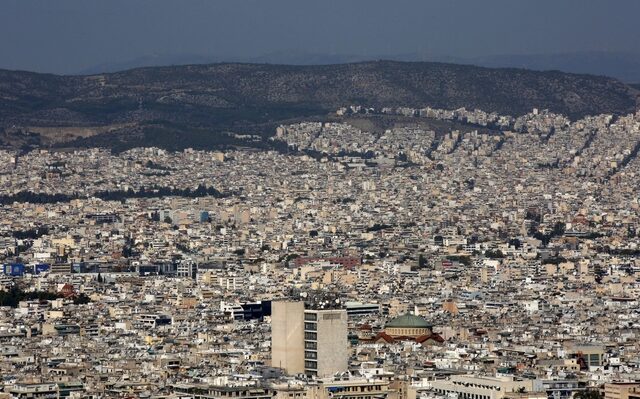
<point>586,355</point>
<point>349,389</point>
<point>325,342</point>
<point>526,395</point>
<point>311,341</point>
<point>290,391</point>
<point>480,387</point>
<point>204,391</point>
<point>287,336</point>
<point>620,390</point>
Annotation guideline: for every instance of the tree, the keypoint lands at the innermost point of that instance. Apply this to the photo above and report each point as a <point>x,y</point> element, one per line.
<point>497,254</point>
<point>127,251</point>
<point>599,272</point>
<point>558,229</point>
<point>464,259</point>
<point>15,295</point>
<point>82,299</point>
<point>438,240</point>
<point>588,394</point>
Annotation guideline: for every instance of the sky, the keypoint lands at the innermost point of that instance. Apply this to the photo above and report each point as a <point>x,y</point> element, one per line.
<point>68,36</point>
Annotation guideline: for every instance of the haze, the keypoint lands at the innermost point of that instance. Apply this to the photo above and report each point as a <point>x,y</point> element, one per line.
<point>71,36</point>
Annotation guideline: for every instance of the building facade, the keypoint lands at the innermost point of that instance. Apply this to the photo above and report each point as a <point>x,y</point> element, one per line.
<point>309,341</point>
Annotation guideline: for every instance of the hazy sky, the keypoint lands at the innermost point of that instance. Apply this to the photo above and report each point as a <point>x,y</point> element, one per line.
<point>66,36</point>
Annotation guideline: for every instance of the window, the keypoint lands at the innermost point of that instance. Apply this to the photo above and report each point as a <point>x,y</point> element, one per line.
<point>310,326</point>
<point>310,355</point>
<point>311,335</point>
<point>310,345</point>
<point>310,316</point>
<point>309,364</point>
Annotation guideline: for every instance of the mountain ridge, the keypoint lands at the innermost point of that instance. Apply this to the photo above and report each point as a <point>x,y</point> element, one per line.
<point>253,98</point>
<point>618,65</point>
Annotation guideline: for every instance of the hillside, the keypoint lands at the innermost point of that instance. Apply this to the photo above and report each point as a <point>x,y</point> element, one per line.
<point>169,106</point>
<point>618,65</point>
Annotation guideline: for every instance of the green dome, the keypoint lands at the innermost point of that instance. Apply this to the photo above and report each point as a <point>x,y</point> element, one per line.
<point>408,321</point>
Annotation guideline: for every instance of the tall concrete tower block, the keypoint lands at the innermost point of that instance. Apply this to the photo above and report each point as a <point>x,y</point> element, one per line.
<point>287,336</point>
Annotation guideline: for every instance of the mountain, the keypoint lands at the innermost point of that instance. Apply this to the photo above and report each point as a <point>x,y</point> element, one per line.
<point>151,60</point>
<point>197,104</point>
<point>277,57</point>
<point>621,66</point>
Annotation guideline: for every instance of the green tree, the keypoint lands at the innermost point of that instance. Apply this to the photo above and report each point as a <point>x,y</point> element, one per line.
<point>588,394</point>
<point>82,299</point>
<point>497,254</point>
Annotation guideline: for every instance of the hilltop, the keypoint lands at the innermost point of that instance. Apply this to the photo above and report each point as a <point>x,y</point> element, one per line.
<point>197,104</point>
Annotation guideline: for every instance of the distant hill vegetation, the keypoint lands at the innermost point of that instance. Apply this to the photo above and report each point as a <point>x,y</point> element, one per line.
<point>622,66</point>
<point>618,65</point>
<point>169,106</point>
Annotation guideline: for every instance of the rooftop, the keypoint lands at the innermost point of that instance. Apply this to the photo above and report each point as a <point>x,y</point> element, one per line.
<point>408,321</point>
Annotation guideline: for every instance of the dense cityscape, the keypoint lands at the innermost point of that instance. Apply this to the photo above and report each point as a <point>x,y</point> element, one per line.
<point>282,199</point>
<point>497,261</point>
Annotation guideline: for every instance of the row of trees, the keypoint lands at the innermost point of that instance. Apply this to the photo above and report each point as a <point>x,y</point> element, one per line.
<point>119,195</point>
<point>15,295</point>
<point>31,234</point>
<point>558,230</point>
<point>12,297</point>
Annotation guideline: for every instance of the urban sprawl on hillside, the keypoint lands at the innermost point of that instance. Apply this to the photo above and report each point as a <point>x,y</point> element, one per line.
<point>502,261</point>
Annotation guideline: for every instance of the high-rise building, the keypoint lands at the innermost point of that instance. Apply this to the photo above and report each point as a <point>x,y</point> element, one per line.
<point>309,341</point>
<point>287,336</point>
<point>325,342</point>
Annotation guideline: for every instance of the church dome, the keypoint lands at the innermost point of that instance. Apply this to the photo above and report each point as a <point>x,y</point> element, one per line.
<point>408,321</point>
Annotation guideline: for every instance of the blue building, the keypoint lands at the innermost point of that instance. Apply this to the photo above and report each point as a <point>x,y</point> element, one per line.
<point>14,269</point>
<point>40,268</point>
